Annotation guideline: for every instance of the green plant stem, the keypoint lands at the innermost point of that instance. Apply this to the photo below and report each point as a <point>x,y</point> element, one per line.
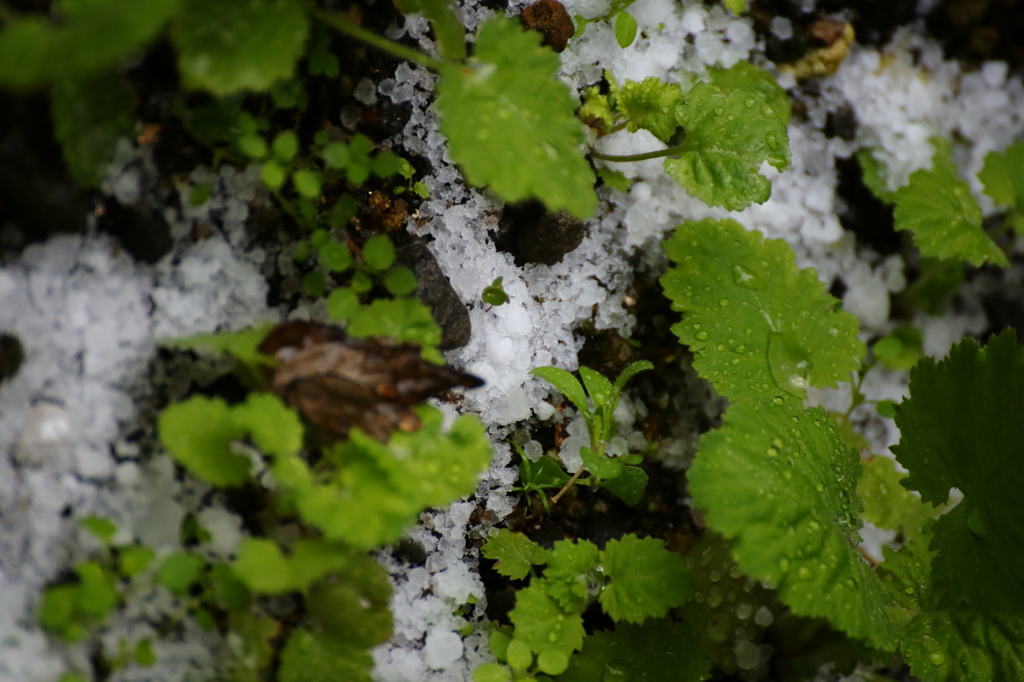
<point>628,158</point>
<point>380,42</point>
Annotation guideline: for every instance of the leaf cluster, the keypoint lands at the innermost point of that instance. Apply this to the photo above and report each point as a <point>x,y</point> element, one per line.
<point>636,581</point>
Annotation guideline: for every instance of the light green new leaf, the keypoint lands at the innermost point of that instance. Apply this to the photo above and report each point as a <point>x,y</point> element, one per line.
<point>887,504</point>
<point>945,219</point>
<point>198,433</point>
<point>233,45</point>
<point>600,389</point>
<point>90,114</point>
<point>263,567</point>
<point>781,483</point>
<point>274,427</point>
<point>379,489</point>
<point>514,553</point>
<point>567,385</point>
<point>759,328</point>
<point>625,29</point>
<point>451,34</point>
<point>308,657</point>
<point>179,572</point>
<point>510,122</point>
<point>542,625</point>
<point>645,579</point>
<point>402,319</point>
<point>241,345</point>
<point>656,650</point>
<point>731,128</point>
<point>1003,177</point>
<point>651,104</point>
<point>94,36</point>
<point>962,427</point>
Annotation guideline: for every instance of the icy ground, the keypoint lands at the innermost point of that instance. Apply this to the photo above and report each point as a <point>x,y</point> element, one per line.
<point>89,319</point>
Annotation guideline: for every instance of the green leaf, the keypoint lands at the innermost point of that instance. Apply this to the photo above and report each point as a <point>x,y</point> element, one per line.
<point>625,29</point>
<point>274,427</point>
<point>241,345</point>
<point>90,114</point>
<point>133,560</point>
<point>400,281</point>
<point>874,176</point>
<point>57,613</point>
<point>308,657</point>
<point>938,281</point>
<point>651,104</point>
<point>263,567</point>
<point>94,35</point>
<point>782,484</point>
<point>379,489</point>
<point>656,650</point>
<point>567,385</point>
<point>731,128</point>
<point>944,217</point>
<point>286,145</point>
<point>729,610</point>
<point>379,252</point>
<point>645,579</point>
<point>96,594</point>
<point>599,466</point>
<point>307,182</point>
<point>629,486</point>
<point>737,7</point>
<point>272,174</point>
<point>100,527</point>
<point>342,303</point>
<point>614,179</point>
<point>759,328</point>
<point>335,256</point>
<point>448,29</point>
<point>179,571</point>
<point>233,45</point>
<point>961,427</point>
<point>1003,177</point>
<point>403,319</point>
<point>901,348</point>
<point>514,553</point>
<point>510,122</point>
<point>231,593</point>
<point>600,389</point>
<point>353,608</point>
<point>631,371</point>
<point>252,145</point>
<point>573,574</point>
<point>887,504</point>
<point>744,75</point>
<point>198,433</point>
<point>542,625</point>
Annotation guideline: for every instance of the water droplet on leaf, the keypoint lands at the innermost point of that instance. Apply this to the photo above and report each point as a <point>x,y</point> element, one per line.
<point>790,365</point>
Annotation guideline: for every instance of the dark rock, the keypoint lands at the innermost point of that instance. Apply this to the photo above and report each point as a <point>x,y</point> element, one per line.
<point>606,352</point>
<point>867,217</point>
<point>532,234</point>
<point>842,123</point>
<point>551,19</point>
<point>11,355</point>
<point>143,233</point>
<point>434,289</point>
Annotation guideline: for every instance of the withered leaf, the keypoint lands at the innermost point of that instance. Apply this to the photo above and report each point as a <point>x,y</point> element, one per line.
<point>337,382</point>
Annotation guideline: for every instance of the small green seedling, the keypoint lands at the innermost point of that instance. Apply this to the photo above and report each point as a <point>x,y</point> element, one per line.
<point>615,473</point>
<point>494,294</point>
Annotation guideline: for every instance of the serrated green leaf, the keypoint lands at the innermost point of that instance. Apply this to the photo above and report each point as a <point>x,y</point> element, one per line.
<point>645,579</point>
<point>629,486</point>
<point>450,33</point>
<point>759,328</point>
<point>379,489</point>
<point>514,553</point>
<point>567,385</point>
<point>179,571</point>
<point>233,45</point>
<point>887,504</point>
<point>572,575</point>
<point>353,607</point>
<point>625,29</point>
<point>731,129</point>
<point>651,104</point>
<point>510,123</point>
<point>308,657</point>
<point>781,483</point>
<point>874,176</point>
<point>656,650</point>
<point>938,208</point>
<point>90,114</point>
<point>542,625</point>
<point>198,433</point>
<point>745,76</point>
<point>1003,178</point>
<point>962,427</point>
<point>402,319</point>
<point>94,35</point>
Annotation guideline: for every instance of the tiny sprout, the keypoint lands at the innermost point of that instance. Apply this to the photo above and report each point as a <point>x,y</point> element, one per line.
<point>494,294</point>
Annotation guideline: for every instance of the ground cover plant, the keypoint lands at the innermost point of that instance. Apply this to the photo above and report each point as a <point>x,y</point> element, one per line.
<point>318,436</point>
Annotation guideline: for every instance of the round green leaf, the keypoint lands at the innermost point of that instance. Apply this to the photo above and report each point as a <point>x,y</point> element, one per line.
<point>285,145</point>
<point>307,182</point>
<point>272,174</point>
<point>342,303</point>
<point>625,29</point>
<point>400,280</point>
<point>379,252</point>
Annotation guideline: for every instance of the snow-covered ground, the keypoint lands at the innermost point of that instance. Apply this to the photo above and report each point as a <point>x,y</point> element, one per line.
<point>90,320</point>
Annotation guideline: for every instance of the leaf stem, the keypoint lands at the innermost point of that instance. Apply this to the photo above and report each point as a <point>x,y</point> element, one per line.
<point>565,488</point>
<point>380,42</point>
<point>628,158</point>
